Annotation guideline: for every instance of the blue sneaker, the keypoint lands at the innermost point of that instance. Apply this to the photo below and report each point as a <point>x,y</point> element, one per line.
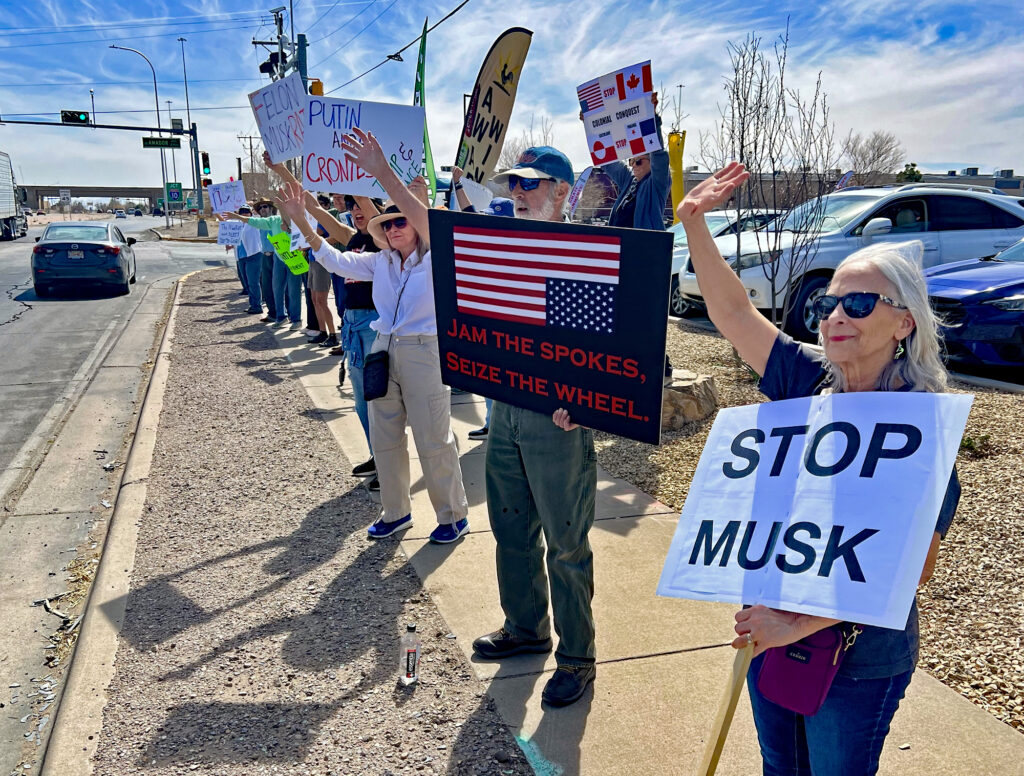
<point>446,534</point>
<point>380,529</point>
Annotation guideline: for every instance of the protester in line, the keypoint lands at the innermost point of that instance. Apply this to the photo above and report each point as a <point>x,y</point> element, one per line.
<point>239,252</point>
<point>287,286</point>
<point>499,206</point>
<point>878,334</point>
<point>403,293</point>
<point>250,263</point>
<point>263,207</point>
<point>320,289</point>
<point>541,477</point>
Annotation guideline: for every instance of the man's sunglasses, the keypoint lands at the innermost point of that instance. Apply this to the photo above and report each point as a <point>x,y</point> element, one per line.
<point>859,304</point>
<point>397,223</point>
<point>526,184</point>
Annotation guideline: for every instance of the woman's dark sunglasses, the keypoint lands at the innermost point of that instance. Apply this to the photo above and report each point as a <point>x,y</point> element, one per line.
<point>859,304</point>
<point>398,223</point>
<point>526,184</point>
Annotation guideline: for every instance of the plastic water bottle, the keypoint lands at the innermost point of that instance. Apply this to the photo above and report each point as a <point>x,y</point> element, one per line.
<point>409,667</point>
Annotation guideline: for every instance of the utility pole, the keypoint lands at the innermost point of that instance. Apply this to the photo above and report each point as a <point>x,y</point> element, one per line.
<point>239,160</point>
<point>92,99</point>
<point>248,139</point>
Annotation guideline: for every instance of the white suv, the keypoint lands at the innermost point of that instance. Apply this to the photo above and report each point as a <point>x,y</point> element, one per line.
<point>954,223</point>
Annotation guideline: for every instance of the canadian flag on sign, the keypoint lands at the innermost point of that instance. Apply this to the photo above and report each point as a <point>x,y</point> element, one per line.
<point>634,81</point>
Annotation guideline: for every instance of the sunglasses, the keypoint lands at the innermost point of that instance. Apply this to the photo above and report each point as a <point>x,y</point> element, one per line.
<point>635,162</point>
<point>526,184</point>
<point>859,304</point>
<point>397,223</point>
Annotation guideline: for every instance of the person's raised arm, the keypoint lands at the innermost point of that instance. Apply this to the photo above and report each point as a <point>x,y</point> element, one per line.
<point>363,149</point>
<point>336,230</point>
<point>233,217</point>
<point>291,202</point>
<point>464,204</point>
<point>280,168</point>
<point>728,306</point>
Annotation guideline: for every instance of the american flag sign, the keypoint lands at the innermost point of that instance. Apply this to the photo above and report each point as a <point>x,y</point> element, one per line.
<point>590,96</point>
<point>541,278</point>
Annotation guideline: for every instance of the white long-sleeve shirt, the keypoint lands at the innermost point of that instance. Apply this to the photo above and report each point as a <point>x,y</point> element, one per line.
<point>415,312</point>
<point>251,243</point>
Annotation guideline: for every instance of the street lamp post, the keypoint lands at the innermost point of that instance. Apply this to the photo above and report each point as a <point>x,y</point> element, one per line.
<point>92,99</point>
<point>202,230</point>
<point>174,158</point>
<point>156,98</point>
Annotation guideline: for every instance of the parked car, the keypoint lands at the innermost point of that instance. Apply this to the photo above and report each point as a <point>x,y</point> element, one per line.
<point>954,223</point>
<point>720,222</point>
<point>82,253</point>
<point>981,304</point>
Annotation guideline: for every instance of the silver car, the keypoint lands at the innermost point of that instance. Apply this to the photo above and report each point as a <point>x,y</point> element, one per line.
<point>83,253</point>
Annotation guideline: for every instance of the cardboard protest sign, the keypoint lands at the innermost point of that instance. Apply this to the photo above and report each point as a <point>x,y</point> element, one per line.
<point>298,239</point>
<point>398,129</point>
<point>577,190</point>
<point>294,259</point>
<point>229,232</point>
<point>280,111</point>
<point>825,505</point>
<point>226,197</point>
<point>479,195</point>
<point>490,104</point>
<point>544,314</point>
<point>618,115</point>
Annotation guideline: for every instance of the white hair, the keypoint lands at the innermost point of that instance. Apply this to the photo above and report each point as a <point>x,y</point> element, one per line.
<point>920,364</point>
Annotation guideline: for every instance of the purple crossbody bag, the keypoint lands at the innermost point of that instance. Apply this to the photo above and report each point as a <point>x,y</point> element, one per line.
<point>798,676</point>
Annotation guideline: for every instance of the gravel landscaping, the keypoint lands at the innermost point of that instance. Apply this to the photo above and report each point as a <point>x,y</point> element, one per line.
<point>972,609</point>
<point>262,628</point>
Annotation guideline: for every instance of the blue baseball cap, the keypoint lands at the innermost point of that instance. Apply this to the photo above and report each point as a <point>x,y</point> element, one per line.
<point>500,206</point>
<point>540,162</point>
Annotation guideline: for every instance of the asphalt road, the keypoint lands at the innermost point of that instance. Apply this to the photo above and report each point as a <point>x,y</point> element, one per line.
<point>44,343</point>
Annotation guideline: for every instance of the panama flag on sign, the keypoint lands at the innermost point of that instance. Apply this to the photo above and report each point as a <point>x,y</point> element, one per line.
<point>634,82</point>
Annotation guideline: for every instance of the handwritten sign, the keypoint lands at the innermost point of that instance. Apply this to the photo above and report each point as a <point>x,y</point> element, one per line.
<point>398,129</point>
<point>298,240</point>
<point>543,314</point>
<point>294,259</point>
<point>230,232</point>
<point>280,111</point>
<point>824,506</point>
<point>618,115</point>
<point>226,197</point>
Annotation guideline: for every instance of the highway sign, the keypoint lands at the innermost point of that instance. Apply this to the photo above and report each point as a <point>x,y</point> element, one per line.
<point>161,142</point>
<point>177,124</point>
<point>65,196</point>
<point>174,193</point>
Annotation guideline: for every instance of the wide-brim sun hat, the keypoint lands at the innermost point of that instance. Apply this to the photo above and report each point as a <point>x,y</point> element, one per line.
<point>376,225</point>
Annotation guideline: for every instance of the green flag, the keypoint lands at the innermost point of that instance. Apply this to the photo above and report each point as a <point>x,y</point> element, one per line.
<point>418,99</point>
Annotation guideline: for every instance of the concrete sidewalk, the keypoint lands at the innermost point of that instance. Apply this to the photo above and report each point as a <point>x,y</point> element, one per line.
<point>662,664</point>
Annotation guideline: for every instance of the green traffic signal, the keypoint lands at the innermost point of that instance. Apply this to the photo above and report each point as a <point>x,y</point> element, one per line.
<point>206,163</point>
<point>74,117</point>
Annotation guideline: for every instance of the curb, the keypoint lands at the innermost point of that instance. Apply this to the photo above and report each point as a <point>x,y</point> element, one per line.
<point>167,238</point>
<point>79,715</point>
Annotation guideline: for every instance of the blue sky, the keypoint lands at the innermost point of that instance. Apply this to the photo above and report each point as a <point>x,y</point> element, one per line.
<point>945,77</point>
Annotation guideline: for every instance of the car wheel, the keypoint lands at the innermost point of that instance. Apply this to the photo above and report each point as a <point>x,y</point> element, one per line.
<point>677,305</point>
<point>123,289</point>
<point>802,324</point>
<point>42,290</point>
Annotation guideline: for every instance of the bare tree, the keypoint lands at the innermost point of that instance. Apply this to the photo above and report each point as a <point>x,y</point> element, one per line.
<point>873,158</point>
<point>787,141</point>
<point>540,132</point>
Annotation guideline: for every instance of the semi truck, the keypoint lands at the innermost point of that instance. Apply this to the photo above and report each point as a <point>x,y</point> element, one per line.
<point>13,223</point>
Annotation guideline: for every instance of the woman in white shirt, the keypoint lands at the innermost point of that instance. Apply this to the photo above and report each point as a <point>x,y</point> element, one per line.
<point>403,293</point>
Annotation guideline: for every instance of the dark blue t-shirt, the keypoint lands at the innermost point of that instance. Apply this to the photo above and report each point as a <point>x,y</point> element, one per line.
<point>794,371</point>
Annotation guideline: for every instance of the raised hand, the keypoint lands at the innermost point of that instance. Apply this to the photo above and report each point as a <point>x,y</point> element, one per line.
<point>363,149</point>
<point>709,194</point>
<point>456,174</point>
<point>291,201</point>
<point>418,187</point>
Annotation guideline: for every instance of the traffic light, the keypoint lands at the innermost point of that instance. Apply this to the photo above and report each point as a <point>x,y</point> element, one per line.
<point>270,67</point>
<point>74,117</point>
<point>207,181</point>
<point>316,87</point>
<point>206,163</point>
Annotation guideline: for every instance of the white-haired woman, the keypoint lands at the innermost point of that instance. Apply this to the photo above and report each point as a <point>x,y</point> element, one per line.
<point>878,334</point>
<point>403,293</point>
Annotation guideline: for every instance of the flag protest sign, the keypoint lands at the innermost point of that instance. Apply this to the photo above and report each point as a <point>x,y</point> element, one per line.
<point>419,99</point>
<point>294,259</point>
<point>577,190</point>
<point>490,104</point>
<point>398,129</point>
<point>226,197</point>
<point>618,115</point>
<point>823,505</point>
<point>544,314</point>
<point>280,110</point>
<point>229,232</point>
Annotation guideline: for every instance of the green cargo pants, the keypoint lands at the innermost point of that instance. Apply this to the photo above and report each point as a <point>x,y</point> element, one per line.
<point>541,479</point>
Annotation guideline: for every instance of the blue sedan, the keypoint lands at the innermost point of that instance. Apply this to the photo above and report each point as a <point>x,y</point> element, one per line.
<point>981,303</point>
<point>82,253</point>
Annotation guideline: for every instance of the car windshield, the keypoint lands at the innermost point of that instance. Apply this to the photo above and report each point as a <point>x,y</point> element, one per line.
<point>826,214</point>
<point>76,232</point>
<point>1013,253</point>
<point>715,223</point>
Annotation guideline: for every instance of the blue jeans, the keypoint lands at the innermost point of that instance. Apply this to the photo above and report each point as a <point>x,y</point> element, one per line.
<point>489,403</point>
<point>250,268</point>
<point>241,275</point>
<point>338,286</point>
<point>357,338</point>
<point>267,263</point>
<point>287,292</point>
<point>844,738</point>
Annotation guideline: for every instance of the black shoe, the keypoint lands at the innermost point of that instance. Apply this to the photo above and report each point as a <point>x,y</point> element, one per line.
<point>373,485</point>
<point>330,342</point>
<point>338,351</point>
<point>254,311</point>
<point>318,339</point>
<point>479,433</point>
<point>501,643</point>
<point>267,319</point>
<point>341,372</point>
<point>365,469</point>
<point>567,685</point>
